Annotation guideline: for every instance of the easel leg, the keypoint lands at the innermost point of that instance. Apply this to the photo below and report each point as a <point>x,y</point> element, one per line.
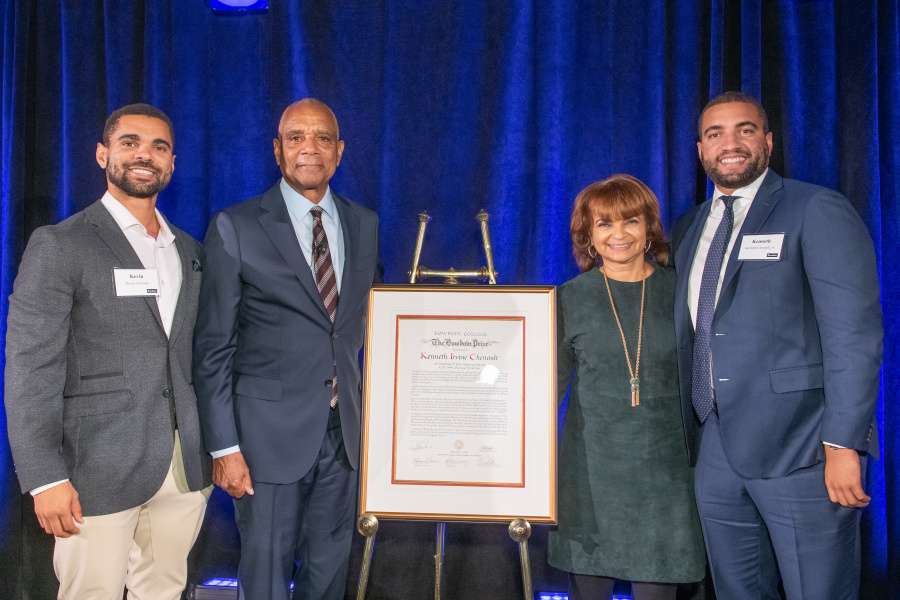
<point>440,532</point>
<point>520,531</point>
<point>367,525</point>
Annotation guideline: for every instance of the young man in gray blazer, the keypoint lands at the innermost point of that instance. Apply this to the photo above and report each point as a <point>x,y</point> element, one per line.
<point>102,416</point>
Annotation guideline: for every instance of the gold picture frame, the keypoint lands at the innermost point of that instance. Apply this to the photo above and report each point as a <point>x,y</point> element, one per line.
<point>459,404</point>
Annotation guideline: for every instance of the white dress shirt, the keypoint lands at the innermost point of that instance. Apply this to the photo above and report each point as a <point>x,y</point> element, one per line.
<point>298,207</point>
<point>157,253</point>
<point>741,207</point>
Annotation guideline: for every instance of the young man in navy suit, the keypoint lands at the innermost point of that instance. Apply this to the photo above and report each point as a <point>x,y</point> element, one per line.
<point>780,340</point>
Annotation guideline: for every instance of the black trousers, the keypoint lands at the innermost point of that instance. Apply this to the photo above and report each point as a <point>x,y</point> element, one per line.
<point>592,587</point>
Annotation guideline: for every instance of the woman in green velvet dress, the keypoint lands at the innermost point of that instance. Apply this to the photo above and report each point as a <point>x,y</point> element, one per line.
<point>626,502</point>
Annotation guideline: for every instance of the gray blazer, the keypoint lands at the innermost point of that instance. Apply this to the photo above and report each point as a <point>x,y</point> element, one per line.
<point>92,383</point>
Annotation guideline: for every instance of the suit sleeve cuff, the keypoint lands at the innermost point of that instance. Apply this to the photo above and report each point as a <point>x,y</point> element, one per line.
<point>44,488</point>
<point>225,451</point>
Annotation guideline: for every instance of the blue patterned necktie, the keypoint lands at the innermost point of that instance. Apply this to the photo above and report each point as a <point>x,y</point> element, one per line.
<point>701,374</point>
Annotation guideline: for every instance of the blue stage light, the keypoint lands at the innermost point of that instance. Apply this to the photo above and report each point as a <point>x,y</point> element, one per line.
<point>565,596</point>
<point>221,582</point>
<point>227,582</point>
<point>227,6</point>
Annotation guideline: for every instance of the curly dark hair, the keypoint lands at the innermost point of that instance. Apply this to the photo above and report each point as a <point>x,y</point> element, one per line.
<point>619,196</point>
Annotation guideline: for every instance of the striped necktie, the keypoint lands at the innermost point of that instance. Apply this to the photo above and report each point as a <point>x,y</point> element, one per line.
<point>326,280</point>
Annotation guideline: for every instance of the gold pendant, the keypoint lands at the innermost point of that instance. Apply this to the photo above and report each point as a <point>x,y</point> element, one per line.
<point>635,391</point>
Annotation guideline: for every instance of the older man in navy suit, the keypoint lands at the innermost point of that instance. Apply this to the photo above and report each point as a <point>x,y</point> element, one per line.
<point>277,362</point>
<point>780,339</point>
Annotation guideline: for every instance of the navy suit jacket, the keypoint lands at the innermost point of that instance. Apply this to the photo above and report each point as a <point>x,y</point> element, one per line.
<point>797,342</point>
<point>264,345</point>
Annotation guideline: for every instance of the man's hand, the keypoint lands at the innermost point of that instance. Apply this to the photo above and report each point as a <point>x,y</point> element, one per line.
<point>231,473</point>
<point>57,510</point>
<point>843,477</point>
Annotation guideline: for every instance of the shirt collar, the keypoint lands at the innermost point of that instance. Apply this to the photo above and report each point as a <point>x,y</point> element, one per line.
<point>125,220</point>
<point>746,194</point>
<point>302,205</point>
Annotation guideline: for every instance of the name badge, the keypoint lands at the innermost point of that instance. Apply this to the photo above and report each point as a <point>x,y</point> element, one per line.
<point>132,283</point>
<point>761,247</point>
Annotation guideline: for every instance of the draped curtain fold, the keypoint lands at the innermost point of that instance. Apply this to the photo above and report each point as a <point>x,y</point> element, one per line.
<point>451,107</point>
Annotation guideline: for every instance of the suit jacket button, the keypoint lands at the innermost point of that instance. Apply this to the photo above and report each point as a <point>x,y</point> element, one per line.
<point>167,392</point>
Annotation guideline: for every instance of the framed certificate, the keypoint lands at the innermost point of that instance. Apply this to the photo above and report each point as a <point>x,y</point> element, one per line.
<point>459,405</point>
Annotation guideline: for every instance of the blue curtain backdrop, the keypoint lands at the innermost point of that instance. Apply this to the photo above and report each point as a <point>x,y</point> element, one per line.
<point>451,107</point>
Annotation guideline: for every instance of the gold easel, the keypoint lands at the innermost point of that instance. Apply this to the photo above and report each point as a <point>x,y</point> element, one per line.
<point>452,276</point>
<point>519,529</point>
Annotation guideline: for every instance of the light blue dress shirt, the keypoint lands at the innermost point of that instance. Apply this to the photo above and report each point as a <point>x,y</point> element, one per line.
<point>298,207</point>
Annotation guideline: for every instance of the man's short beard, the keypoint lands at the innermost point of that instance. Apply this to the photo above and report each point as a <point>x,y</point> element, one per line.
<point>119,177</point>
<point>738,180</point>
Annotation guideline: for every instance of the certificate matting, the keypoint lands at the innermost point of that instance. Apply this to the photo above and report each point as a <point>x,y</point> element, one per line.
<point>459,405</point>
<point>459,401</point>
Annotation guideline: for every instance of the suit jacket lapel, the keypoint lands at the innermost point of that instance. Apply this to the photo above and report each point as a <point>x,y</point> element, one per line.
<point>108,231</point>
<point>760,209</point>
<point>187,257</point>
<point>684,256</point>
<point>350,231</point>
<point>276,222</point>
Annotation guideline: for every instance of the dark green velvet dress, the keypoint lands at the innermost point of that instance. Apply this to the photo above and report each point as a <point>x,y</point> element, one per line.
<point>626,501</point>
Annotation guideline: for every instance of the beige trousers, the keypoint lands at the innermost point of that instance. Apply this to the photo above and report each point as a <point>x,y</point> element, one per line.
<point>143,549</point>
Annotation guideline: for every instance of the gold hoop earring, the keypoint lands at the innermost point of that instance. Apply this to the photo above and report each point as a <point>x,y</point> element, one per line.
<point>649,244</point>
<point>592,252</point>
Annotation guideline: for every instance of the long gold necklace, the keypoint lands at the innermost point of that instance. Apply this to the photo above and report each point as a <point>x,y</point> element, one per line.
<point>633,371</point>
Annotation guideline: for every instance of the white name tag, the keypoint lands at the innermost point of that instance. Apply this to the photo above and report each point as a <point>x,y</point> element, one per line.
<point>761,247</point>
<point>136,282</point>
